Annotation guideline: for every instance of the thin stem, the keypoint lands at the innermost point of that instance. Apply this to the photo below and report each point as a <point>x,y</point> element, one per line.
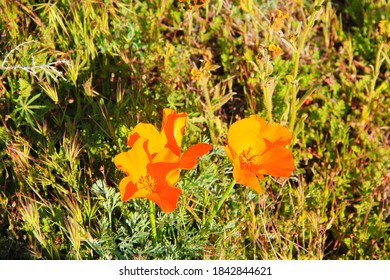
<point>372,94</point>
<point>302,40</point>
<point>220,202</point>
<point>190,20</point>
<point>378,63</point>
<point>266,233</point>
<point>268,104</point>
<point>152,215</point>
<point>210,113</point>
<point>293,107</point>
<point>14,49</point>
<point>297,56</point>
<point>267,93</point>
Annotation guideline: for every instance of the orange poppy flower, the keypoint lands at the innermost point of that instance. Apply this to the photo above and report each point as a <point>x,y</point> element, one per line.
<point>257,148</point>
<point>172,129</point>
<point>165,146</point>
<point>153,164</point>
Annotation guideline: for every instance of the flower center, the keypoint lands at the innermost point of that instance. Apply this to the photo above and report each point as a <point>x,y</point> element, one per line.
<point>249,159</point>
<point>147,183</point>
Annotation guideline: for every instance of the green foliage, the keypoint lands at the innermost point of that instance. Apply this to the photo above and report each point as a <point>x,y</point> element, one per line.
<point>76,78</point>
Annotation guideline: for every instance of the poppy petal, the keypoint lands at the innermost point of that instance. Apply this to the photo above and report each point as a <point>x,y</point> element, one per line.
<point>160,170</point>
<point>134,161</point>
<point>173,128</point>
<point>127,188</point>
<point>243,134</point>
<point>247,178</point>
<point>190,157</point>
<point>165,155</point>
<point>121,161</point>
<point>173,177</point>
<point>166,198</point>
<point>144,130</point>
<point>277,161</point>
<point>277,134</point>
<point>257,118</point>
<point>273,132</point>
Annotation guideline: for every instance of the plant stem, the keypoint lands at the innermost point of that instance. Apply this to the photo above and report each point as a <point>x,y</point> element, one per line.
<point>190,20</point>
<point>268,103</point>
<point>369,106</point>
<point>152,215</point>
<point>220,202</point>
<point>209,111</point>
<point>267,92</point>
<point>297,56</point>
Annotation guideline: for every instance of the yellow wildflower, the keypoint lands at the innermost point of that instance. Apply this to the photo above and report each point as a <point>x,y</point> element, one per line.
<point>382,27</point>
<point>195,74</point>
<point>277,20</point>
<point>274,50</point>
<point>204,71</point>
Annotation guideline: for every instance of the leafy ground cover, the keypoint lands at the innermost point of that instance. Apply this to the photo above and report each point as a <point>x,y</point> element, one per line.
<point>78,76</point>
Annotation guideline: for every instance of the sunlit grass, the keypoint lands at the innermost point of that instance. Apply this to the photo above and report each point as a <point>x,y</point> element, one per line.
<point>78,76</point>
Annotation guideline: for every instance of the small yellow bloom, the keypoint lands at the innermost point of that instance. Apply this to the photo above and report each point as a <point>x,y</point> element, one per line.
<point>274,50</point>
<point>382,27</point>
<point>384,30</point>
<point>195,74</point>
<point>204,71</point>
<point>277,20</point>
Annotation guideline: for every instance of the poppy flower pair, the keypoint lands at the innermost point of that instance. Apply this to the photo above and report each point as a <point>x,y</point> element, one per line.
<point>153,165</point>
